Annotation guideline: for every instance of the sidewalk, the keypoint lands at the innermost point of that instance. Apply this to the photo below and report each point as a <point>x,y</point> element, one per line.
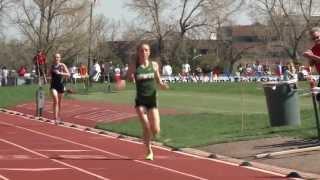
<point>303,162</point>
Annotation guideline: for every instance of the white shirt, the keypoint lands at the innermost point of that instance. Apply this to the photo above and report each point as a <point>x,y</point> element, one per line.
<point>259,68</point>
<point>186,68</point>
<point>117,71</point>
<point>95,69</point>
<point>167,70</point>
<point>73,69</point>
<point>5,73</point>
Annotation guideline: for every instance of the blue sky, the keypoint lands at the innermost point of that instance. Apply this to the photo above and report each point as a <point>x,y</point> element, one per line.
<point>113,9</point>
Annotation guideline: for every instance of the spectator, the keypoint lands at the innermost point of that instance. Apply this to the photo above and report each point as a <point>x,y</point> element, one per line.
<point>109,71</point>
<point>207,73</point>
<point>249,70</point>
<point>278,70</point>
<point>73,72</point>
<point>22,71</point>
<point>240,69</point>
<point>258,69</point>
<point>5,73</point>
<point>216,72</point>
<point>292,70</point>
<point>95,71</point>
<point>40,65</point>
<point>83,71</point>
<point>124,71</point>
<point>266,70</point>
<point>186,69</point>
<point>313,54</point>
<point>198,73</point>
<point>103,71</point>
<point>117,74</point>
<point>0,76</point>
<point>167,71</point>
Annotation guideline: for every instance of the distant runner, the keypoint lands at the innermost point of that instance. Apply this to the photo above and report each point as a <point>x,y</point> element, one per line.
<point>58,71</point>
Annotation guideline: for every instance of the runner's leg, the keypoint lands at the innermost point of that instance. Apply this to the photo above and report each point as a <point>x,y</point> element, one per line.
<point>147,133</point>
<point>55,99</point>
<point>154,118</point>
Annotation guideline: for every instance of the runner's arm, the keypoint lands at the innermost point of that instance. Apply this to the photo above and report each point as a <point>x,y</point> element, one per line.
<point>158,77</point>
<point>311,56</point>
<point>130,73</point>
<point>65,71</point>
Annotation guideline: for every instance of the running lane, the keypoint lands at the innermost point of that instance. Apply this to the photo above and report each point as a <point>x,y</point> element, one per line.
<point>31,149</point>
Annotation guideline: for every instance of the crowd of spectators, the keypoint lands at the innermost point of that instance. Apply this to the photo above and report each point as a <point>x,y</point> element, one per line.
<point>108,72</point>
<point>246,72</point>
<point>99,72</point>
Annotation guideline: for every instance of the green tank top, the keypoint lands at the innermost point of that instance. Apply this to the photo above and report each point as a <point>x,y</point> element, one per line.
<point>145,81</point>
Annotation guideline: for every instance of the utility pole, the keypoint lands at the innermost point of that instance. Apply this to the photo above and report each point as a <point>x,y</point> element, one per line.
<point>90,35</point>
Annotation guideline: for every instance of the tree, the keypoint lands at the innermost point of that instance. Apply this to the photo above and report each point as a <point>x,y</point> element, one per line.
<point>53,25</point>
<point>4,6</point>
<point>152,12</point>
<point>289,20</point>
<point>182,19</point>
<point>197,15</point>
<point>15,53</point>
<point>105,30</point>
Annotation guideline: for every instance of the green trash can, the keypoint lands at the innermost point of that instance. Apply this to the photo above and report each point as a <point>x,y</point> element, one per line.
<point>282,103</point>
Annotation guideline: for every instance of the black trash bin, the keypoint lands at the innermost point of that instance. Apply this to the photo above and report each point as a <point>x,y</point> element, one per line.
<point>282,103</point>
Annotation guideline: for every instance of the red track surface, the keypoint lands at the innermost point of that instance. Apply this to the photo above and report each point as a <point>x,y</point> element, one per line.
<point>31,149</point>
<point>86,113</point>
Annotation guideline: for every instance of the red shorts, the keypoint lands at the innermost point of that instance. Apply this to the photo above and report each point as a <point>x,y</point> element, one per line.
<point>117,77</point>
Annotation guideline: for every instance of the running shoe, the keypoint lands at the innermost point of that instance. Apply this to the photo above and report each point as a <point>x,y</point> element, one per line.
<point>149,157</point>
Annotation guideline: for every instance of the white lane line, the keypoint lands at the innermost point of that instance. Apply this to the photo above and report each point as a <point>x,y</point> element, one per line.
<point>62,150</point>
<point>3,178</point>
<point>209,159</point>
<point>60,162</point>
<point>32,169</point>
<point>205,158</point>
<point>83,157</point>
<point>15,157</point>
<point>233,164</point>
<point>22,105</point>
<point>113,154</point>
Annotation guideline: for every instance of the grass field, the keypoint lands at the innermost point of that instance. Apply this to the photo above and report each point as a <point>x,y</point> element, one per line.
<point>208,113</point>
<point>211,113</point>
<point>10,96</point>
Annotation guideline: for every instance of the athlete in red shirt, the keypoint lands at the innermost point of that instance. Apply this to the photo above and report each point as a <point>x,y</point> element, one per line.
<point>40,64</point>
<point>313,54</point>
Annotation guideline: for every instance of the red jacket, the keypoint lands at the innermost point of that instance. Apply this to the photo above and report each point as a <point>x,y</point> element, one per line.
<point>316,51</point>
<point>40,59</point>
<point>22,71</point>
